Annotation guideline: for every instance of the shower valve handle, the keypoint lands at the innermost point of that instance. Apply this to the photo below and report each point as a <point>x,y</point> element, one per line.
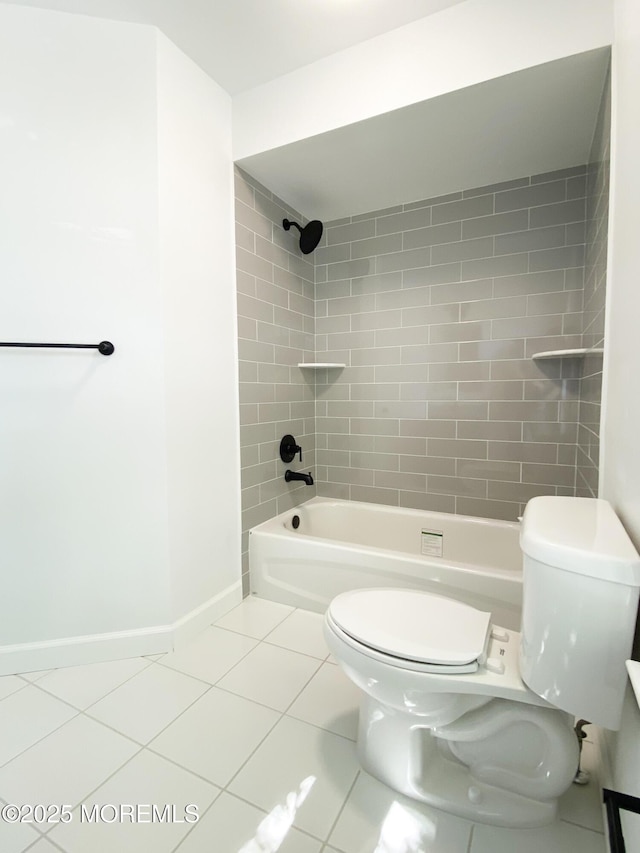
<point>288,449</point>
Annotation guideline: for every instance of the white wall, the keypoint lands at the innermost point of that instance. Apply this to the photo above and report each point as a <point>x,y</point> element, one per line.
<point>197,261</point>
<point>93,507</point>
<point>621,460</point>
<point>620,466</point>
<point>474,41</point>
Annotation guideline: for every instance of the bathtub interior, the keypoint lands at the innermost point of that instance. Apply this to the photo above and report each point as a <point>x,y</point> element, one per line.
<point>479,542</point>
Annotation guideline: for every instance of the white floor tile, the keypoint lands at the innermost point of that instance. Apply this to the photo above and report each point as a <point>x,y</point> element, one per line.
<point>254,617</point>
<point>270,675</point>
<point>210,655</point>
<point>581,803</point>
<point>330,701</point>
<point>10,684</point>
<point>146,780</point>
<point>231,825</point>
<point>66,765</point>
<point>301,632</point>
<point>559,837</point>
<point>81,686</point>
<point>376,818</point>
<point>26,716</point>
<point>267,659</point>
<point>16,837</point>
<point>293,754</point>
<point>34,676</point>
<point>148,702</point>
<point>216,735</point>
<point>44,846</point>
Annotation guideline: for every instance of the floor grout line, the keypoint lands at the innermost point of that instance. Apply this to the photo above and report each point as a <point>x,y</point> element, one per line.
<point>36,742</point>
<point>470,845</point>
<point>342,807</point>
<point>201,817</point>
<point>108,693</point>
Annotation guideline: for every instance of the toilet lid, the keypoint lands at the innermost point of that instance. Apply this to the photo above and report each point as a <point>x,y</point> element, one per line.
<point>413,625</point>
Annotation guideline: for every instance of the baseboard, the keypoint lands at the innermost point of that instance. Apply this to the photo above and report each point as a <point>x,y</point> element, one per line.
<point>97,648</point>
<point>93,648</point>
<point>201,617</point>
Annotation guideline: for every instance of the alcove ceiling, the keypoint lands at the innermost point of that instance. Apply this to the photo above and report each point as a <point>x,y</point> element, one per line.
<point>533,121</point>
<point>527,123</point>
<point>244,43</point>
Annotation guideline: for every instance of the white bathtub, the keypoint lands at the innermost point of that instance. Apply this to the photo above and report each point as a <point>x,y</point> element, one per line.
<point>342,545</point>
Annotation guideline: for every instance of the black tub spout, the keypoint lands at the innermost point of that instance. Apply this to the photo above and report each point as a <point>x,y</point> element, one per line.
<point>298,475</point>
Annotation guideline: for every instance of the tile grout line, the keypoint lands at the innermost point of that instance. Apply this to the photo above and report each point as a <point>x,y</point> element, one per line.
<point>148,747</point>
<point>54,844</point>
<point>149,663</point>
<point>142,746</point>
<point>40,739</point>
<point>581,826</point>
<point>191,829</point>
<point>342,807</point>
<point>470,845</point>
<point>282,715</point>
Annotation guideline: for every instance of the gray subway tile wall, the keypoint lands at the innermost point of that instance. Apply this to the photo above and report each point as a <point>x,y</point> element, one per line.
<point>444,320</point>
<point>276,331</point>
<point>597,221</point>
<point>436,308</point>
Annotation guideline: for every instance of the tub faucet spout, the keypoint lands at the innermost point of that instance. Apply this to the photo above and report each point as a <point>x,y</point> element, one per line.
<point>298,475</point>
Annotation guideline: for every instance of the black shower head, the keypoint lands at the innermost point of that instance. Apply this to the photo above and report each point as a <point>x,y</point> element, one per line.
<point>310,235</point>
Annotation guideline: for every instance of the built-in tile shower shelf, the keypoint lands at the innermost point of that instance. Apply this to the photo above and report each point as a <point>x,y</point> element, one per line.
<point>566,353</point>
<point>321,365</point>
<point>633,668</point>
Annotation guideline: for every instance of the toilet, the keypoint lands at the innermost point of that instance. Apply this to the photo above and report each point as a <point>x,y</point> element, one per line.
<point>478,720</point>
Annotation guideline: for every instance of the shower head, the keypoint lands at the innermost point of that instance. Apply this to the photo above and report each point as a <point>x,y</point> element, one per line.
<point>310,235</point>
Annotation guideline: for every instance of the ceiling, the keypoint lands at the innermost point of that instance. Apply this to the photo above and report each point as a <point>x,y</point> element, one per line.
<point>244,43</point>
<point>527,123</point>
<point>533,121</point>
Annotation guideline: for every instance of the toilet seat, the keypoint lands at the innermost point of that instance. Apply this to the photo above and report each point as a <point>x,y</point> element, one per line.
<point>418,630</point>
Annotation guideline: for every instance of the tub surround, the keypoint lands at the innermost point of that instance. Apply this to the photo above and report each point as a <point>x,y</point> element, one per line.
<point>275,286</point>
<point>435,308</point>
<point>593,316</point>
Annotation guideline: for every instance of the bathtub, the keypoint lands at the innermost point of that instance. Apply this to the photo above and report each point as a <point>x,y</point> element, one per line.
<point>341,545</point>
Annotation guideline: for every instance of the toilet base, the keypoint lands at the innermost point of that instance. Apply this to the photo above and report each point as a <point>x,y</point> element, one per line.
<point>456,768</point>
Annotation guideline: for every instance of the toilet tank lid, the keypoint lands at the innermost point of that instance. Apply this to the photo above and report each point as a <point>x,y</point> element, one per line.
<point>581,535</point>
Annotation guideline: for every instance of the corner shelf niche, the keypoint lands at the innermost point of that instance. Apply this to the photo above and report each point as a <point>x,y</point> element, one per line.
<point>321,365</point>
<point>566,353</point>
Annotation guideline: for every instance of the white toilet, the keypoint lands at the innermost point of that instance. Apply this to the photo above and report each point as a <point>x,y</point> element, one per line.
<point>478,720</point>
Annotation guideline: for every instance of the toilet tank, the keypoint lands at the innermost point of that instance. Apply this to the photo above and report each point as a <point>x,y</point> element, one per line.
<point>581,577</point>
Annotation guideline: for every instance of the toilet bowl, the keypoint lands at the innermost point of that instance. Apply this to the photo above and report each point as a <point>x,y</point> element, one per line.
<point>446,716</point>
<point>460,731</point>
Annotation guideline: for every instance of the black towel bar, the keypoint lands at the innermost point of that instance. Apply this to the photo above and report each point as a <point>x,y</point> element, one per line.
<point>104,347</point>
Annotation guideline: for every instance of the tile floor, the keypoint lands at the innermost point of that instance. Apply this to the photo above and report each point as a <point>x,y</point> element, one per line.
<point>252,724</point>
